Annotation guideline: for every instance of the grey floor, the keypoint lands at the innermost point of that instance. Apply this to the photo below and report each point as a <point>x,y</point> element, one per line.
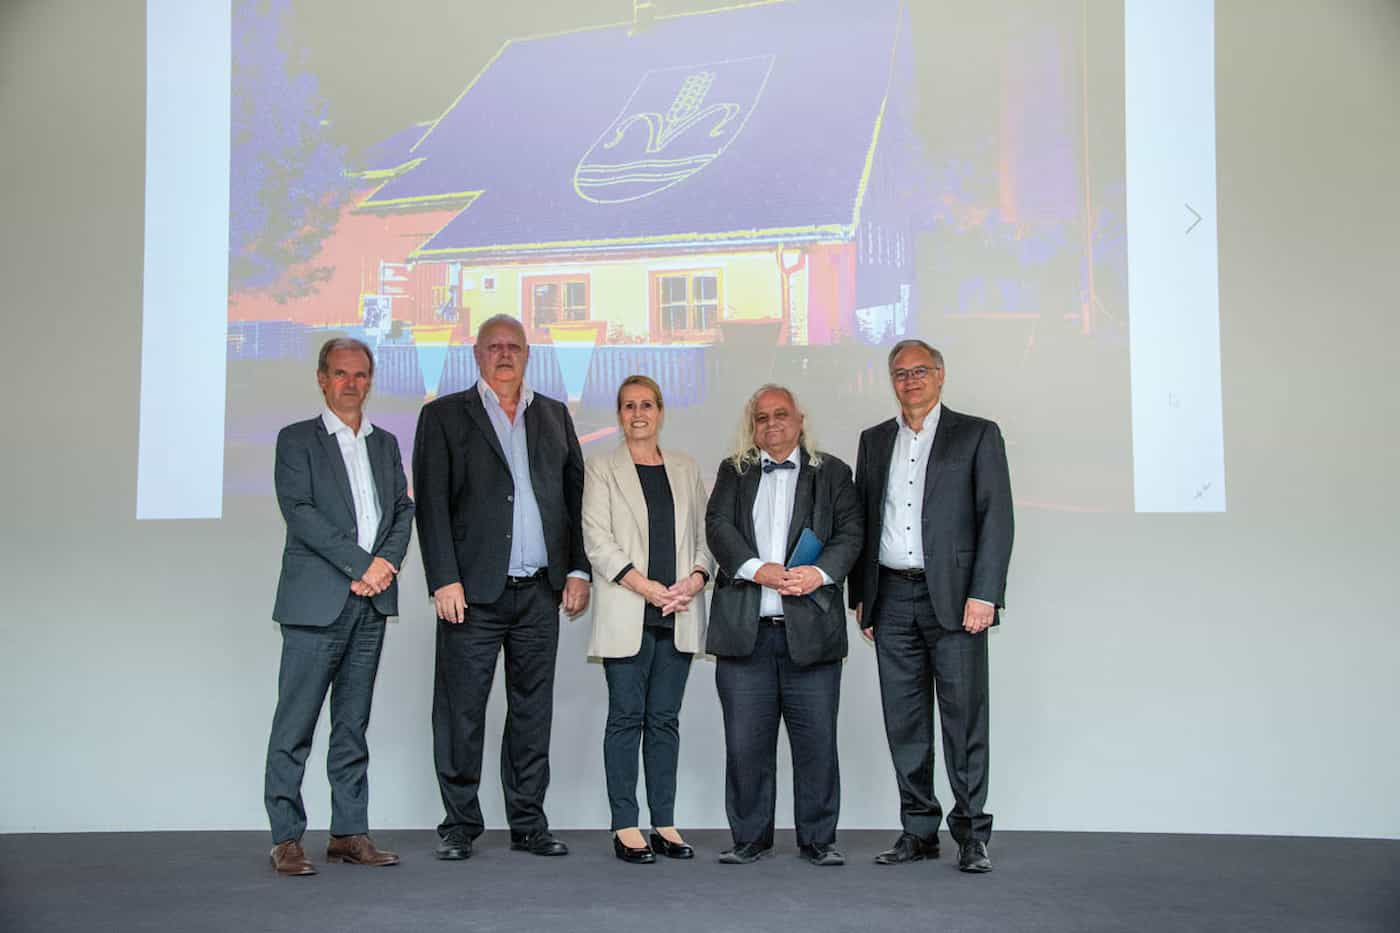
<point>1042,881</point>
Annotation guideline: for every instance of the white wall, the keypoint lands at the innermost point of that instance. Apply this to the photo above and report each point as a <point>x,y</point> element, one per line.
<point>1229,673</point>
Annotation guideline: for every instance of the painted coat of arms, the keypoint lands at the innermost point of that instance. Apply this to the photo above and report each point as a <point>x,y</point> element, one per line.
<point>676,122</point>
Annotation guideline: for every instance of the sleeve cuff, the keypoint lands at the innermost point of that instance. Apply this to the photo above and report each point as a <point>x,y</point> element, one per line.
<point>622,573</point>
<point>583,575</point>
<point>985,602</point>
<point>748,568</point>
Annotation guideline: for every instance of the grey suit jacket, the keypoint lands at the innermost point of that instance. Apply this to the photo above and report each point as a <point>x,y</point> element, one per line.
<point>322,554</point>
<point>968,524</point>
<point>824,501</point>
<point>464,488</point>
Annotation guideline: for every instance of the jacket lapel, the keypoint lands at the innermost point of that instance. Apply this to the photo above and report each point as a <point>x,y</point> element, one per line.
<point>625,474</point>
<point>476,409</point>
<point>748,494</point>
<point>331,447</point>
<point>880,470</point>
<point>802,498</point>
<point>381,465</point>
<point>942,442</point>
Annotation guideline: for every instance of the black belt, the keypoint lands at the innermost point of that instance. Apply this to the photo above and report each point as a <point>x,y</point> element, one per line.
<point>516,583</point>
<point>914,573</point>
<point>771,620</point>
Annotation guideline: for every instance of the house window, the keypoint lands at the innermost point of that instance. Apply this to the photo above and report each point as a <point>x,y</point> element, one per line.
<point>554,299</point>
<point>687,303</point>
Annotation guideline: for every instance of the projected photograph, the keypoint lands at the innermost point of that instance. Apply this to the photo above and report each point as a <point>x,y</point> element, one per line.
<point>715,197</point>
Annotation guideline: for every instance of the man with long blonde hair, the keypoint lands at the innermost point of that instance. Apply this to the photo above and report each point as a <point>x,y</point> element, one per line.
<point>784,526</point>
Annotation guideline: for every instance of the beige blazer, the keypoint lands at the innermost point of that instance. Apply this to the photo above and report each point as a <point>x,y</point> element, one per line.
<point>615,535</point>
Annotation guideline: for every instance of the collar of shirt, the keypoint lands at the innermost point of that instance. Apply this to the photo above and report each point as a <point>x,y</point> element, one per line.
<point>795,458</point>
<point>930,419</point>
<point>527,394</point>
<point>335,426</point>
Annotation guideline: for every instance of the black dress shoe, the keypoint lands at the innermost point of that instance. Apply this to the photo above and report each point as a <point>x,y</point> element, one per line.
<point>454,847</point>
<point>972,857</point>
<point>642,856</point>
<point>744,854</point>
<point>908,848</point>
<point>666,847</point>
<point>822,853</point>
<point>539,842</point>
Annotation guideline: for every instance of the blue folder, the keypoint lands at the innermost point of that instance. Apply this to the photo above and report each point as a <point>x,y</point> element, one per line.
<point>809,548</point>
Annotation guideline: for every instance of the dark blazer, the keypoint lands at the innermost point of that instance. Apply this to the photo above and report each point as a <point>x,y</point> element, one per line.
<point>322,554</point>
<point>967,515</point>
<point>465,493</point>
<point>824,501</point>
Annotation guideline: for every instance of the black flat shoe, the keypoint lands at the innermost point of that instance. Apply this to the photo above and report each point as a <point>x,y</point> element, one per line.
<point>908,848</point>
<point>539,842</point>
<point>822,853</point>
<point>454,847</point>
<point>972,857</point>
<point>745,854</point>
<point>666,847</point>
<point>642,856</point>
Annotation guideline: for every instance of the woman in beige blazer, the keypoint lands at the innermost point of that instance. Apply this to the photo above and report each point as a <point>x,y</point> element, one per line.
<point>644,531</point>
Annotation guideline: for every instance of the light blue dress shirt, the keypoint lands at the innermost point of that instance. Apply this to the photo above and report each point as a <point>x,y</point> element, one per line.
<point>528,553</point>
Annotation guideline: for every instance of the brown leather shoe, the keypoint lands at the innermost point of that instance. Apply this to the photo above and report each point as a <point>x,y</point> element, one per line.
<point>358,850</point>
<point>290,859</point>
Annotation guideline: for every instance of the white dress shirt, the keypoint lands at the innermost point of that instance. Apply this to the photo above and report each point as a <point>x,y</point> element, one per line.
<point>355,453</point>
<point>772,513</point>
<point>901,524</point>
<point>902,518</point>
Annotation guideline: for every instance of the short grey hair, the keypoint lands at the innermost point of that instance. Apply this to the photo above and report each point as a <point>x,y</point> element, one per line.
<point>911,342</point>
<point>508,320</point>
<point>343,343</point>
<point>746,452</point>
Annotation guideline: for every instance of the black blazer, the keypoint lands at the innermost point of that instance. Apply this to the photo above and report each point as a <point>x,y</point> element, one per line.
<point>322,554</point>
<point>967,515</point>
<point>465,493</point>
<point>824,501</point>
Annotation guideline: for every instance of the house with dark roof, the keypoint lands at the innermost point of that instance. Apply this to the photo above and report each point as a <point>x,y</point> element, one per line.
<point>657,180</point>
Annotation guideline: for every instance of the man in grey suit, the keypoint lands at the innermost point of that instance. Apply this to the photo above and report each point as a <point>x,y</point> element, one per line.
<point>778,625</point>
<point>936,495</point>
<point>341,487</point>
<point>498,473</point>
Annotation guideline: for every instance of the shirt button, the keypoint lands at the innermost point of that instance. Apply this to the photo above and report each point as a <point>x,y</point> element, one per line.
<point>510,498</point>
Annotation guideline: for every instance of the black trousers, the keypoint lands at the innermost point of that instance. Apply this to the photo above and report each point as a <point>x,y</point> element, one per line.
<point>644,709</point>
<point>342,658</point>
<point>755,693</point>
<point>525,621</point>
<point>918,660</point>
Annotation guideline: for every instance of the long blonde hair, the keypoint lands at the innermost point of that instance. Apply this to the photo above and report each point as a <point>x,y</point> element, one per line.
<point>746,452</point>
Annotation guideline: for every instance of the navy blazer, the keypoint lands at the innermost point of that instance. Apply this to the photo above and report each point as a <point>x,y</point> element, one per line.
<point>967,516</point>
<point>322,554</point>
<point>466,493</point>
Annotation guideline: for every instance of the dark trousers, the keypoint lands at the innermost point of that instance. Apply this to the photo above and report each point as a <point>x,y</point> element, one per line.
<point>755,693</point>
<point>644,708</point>
<point>919,659</point>
<point>343,658</point>
<point>526,622</point>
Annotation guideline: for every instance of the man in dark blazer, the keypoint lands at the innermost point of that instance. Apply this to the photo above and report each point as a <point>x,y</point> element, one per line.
<point>936,498</point>
<point>341,488</point>
<point>778,633</point>
<point>498,474</point>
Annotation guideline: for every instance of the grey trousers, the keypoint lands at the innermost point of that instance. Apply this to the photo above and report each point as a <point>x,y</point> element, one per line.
<point>342,658</point>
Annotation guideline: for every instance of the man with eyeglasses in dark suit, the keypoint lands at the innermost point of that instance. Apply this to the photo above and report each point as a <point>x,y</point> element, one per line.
<point>936,495</point>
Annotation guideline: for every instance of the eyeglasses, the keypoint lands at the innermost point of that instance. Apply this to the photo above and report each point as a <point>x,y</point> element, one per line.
<point>915,372</point>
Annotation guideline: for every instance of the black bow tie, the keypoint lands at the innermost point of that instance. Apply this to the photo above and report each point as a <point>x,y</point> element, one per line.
<point>769,466</point>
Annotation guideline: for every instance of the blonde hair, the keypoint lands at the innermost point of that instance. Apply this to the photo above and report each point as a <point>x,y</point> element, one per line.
<point>746,452</point>
<point>637,379</point>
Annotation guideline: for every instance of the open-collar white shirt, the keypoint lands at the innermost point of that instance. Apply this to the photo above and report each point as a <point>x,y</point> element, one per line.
<point>355,452</point>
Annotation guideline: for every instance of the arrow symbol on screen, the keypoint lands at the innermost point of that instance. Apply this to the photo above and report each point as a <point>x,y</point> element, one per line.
<point>1193,223</point>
